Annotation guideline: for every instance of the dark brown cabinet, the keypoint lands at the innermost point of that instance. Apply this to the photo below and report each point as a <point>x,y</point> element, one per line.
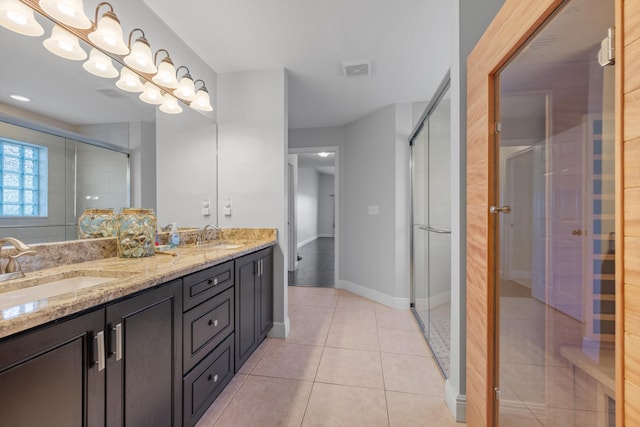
<point>113,366</point>
<point>254,302</point>
<point>208,344</point>
<point>144,355</point>
<point>49,377</point>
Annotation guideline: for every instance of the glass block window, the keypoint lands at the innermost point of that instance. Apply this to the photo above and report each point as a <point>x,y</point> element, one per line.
<point>20,184</point>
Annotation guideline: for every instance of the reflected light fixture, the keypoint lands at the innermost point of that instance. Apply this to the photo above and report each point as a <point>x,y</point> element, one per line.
<point>170,105</point>
<point>18,17</point>
<point>64,44</point>
<point>69,12</point>
<point>202,101</point>
<point>166,75</point>
<point>129,81</point>
<point>108,33</point>
<point>100,65</point>
<point>151,94</point>
<point>323,154</point>
<point>20,98</point>
<point>140,57</point>
<point>186,89</point>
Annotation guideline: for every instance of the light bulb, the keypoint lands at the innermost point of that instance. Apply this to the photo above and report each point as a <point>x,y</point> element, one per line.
<point>151,94</point>
<point>100,65</point>
<point>129,81</point>
<point>19,18</point>
<point>108,35</point>
<point>70,12</point>
<point>64,44</point>
<point>170,105</point>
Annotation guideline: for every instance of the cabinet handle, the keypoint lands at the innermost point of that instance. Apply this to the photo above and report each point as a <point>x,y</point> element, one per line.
<point>213,322</point>
<point>118,330</point>
<point>215,282</point>
<point>99,338</point>
<point>213,377</point>
<point>260,267</point>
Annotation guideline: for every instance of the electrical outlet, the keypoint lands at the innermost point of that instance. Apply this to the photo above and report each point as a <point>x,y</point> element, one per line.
<point>374,210</point>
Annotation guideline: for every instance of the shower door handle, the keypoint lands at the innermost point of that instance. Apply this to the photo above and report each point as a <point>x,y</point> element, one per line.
<point>500,209</point>
<point>434,229</point>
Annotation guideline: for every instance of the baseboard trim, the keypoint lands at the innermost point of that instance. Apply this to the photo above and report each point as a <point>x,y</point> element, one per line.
<point>457,403</point>
<point>377,296</point>
<point>280,329</point>
<point>306,241</point>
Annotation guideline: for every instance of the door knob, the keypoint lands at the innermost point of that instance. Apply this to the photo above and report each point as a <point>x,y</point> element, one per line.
<point>500,209</point>
<point>576,232</point>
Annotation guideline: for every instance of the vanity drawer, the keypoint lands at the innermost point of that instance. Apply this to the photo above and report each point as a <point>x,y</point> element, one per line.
<point>205,326</point>
<point>207,380</point>
<point>200,286</point>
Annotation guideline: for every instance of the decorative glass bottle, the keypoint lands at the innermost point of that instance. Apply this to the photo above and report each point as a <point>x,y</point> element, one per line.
<point>136,230</point>
<point>94,223</point>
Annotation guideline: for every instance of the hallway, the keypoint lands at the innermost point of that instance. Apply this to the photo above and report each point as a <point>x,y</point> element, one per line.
<point>347,362</point>
<point>316,268</point>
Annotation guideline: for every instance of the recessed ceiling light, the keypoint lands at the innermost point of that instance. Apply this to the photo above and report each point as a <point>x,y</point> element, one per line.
<point>323,154</point>
<point>20,98</point>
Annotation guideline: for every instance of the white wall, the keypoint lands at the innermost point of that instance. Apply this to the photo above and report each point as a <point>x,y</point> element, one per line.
<point>307,205</point>
<point>252,138</point>
<point>326,199</point>
<point>375,156</point>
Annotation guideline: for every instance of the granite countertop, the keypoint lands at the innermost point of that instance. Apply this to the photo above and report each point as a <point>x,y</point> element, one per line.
<point>123,276</point>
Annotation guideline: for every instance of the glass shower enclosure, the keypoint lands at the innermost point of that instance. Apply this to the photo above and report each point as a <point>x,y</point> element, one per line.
<point>431,225</point>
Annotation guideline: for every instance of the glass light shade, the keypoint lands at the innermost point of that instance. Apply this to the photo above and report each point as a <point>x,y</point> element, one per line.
<point>170,105</point>
<point>151,94</point>
<point>202,102</point>
<point>140,57</point>
<point>19,18</point>
<point>100,65</point>
<point>186,89</point>
<point>108,35</point>
<point>70,12</point>
<point>166,75</point>
<point>64,44</point>
<point>129,81</point>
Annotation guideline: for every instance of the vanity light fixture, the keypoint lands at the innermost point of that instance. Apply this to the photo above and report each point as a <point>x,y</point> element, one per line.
<point>140,56</point>
<point>129,81</point>
<point>18,17</point>
<point>108,33</point>
<point>324,154</point>
<point>151,94</point>
<point>101,65</point>
<point>69,12</point>
<point>202,101</point>
<point>170,105</point>
<point>166,75</point>
<point>64,44</point>
<point>186,89</point>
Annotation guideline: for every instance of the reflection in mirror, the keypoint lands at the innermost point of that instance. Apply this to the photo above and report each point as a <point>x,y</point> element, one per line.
<point>69,108</point>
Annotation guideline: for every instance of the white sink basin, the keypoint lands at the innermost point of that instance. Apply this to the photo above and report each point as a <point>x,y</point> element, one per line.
<point>32,298</point>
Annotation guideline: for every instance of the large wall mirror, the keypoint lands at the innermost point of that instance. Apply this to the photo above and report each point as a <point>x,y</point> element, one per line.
<point>101,146</point>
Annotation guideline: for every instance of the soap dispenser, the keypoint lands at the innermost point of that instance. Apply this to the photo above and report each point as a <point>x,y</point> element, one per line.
<point>174,236</point>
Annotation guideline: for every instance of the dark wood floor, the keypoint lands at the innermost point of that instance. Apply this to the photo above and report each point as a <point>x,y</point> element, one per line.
<point>316,268</point>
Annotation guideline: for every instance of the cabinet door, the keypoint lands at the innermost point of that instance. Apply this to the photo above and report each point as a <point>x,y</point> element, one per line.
<point>143,364</point>
<point>48,377</point>
<point>266,295</point>
<point>246,322</point>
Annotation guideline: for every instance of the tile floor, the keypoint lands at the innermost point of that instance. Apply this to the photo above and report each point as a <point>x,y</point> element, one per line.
<point>347,362</point>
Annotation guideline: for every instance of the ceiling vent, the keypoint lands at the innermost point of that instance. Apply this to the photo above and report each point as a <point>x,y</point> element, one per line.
<point>356,68</point>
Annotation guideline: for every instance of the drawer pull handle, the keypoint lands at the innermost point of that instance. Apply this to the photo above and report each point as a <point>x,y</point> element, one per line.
<point>213,322</point>
<point>213,377</point>
<point>214,281</point>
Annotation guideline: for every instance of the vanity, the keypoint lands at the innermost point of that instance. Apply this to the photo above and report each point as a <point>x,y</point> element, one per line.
<point>151,344</point>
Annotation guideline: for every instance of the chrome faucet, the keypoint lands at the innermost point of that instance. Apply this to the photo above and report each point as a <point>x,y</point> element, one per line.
<point>209,232</point>
<point>13,269</point>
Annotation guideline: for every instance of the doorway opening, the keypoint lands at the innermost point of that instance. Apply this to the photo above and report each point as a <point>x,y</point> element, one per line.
<point>313,203</point>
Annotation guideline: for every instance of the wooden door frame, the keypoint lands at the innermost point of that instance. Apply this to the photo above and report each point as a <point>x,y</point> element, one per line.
<point>516,21</point>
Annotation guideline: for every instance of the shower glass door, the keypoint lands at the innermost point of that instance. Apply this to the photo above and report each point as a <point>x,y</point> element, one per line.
<point>432,227</point>
<point>555,263</point>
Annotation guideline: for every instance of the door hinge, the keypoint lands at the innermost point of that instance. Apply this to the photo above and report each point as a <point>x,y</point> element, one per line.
<point>607,52</point>
<point>497,390</point>
<point>498,127</point>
